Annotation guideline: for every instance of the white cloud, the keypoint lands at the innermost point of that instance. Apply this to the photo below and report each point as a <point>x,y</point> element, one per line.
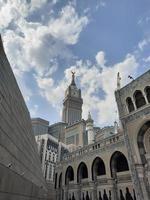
<point>144,43</point>
<point>34,111</point>
<point>105,81</point>
<point>14,10</point>
<point>6,19</point>
<point>44,83</point>
<point>97,85</point>
<point>68,25</point>
<point>100,58</point>
<point>147,59</point>
<point>52,92</point>
<point>107,107</point>
<point>101,3</point>
<point>37,46</point>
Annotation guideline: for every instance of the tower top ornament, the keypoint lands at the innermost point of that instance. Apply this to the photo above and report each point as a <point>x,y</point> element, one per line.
<point>118,81</point>
<point>73,77</point>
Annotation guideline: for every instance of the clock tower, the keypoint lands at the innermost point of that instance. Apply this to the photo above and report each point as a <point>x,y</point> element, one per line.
<point>72,104</point>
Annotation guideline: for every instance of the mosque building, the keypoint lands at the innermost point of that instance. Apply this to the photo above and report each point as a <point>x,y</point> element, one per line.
<point>110,163</point>
<point>72,133</point>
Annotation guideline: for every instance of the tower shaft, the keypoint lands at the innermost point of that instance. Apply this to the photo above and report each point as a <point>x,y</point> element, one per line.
<point>72,104</point>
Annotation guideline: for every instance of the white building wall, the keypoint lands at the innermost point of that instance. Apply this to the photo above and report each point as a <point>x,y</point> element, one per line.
<point>49,155</point>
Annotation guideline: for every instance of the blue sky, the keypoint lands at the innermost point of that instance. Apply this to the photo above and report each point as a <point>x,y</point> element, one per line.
<point>46,39</point>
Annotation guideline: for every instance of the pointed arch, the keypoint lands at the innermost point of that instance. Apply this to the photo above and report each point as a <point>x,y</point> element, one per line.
<point>98,168</point>
<point>69,176</point>
<point>130,104</point>
<point>118,163</point>
<point>147,91</point>
<point>55,180</point>
<point>82,172</point>
<point>139,99</point>
<point>141,143</point>
<point>60,180</point>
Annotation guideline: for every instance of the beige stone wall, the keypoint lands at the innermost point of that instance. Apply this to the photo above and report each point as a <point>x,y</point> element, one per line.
<point>77,131</point>
<point>128,91</point>
<point>136,125</point>
<point>104,182</point>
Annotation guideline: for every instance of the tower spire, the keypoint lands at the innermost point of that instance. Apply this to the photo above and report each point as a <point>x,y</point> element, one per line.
<point>89,128</point>
<point>118,81</point>
<point>73,78</point>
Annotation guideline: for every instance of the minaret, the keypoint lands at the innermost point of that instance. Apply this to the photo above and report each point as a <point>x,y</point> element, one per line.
<point>90,130</point>
<point>72,104</point>
<point>118,81</point>
<point>115,127</point>
<point>73,77</point>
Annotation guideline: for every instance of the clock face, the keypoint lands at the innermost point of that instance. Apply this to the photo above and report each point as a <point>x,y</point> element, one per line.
<point>75,93</point>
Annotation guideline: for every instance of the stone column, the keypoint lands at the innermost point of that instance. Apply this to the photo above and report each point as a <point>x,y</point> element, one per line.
<point>148,168</point>
<point>114,182</point>
<point>60,194</point>
<point>57,194</point>
<point>133,169</point>
<point>111,186</point>
<point>133,101</point>
<point>65,193</point>
<point>95,191</point>
<point>92,195</point>
<point>142,180</point>
<point>79,192</point>
<point>145,97</point>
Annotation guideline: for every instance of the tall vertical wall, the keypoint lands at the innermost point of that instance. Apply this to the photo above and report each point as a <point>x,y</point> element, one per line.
<point>20,169</point>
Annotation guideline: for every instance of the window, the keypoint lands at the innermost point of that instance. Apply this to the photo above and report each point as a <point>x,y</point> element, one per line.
<point>50,171</point>
<point>46,156</point>
<point>53,157</point>
<point>77,139</point>
<point>49,158</point>
<point>130,104</point>
<point>70,140</point>
<point>147,91</point>
<point>69,176</point>
<point>139,99</point>
<point>98,168</point>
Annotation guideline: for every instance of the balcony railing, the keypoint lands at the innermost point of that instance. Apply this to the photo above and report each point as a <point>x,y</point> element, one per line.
<point>99,145</point>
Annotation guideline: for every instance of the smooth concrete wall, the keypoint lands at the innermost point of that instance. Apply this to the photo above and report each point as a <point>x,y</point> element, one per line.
<point>17,143</point>
<point>16,187</point>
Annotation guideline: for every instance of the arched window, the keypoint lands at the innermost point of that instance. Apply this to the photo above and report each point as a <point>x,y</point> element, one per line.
<point>139,99</point>
<point>98,168</point>
<point>69,175</point>
<point>144,145</point>
<point>82,172</point>
<point>60,180</point>
<point>143,141</point>
<point>118,163</point>
<point>147,91</point>
<point>55,180</point>
<point>130,104</point>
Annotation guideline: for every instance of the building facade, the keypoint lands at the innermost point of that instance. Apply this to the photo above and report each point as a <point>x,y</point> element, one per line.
<point>48,147</point>
<point>57,130</point>
<point>134,110</point>
<point>116,167</point>
<point>39,126</point>
<point>75,133</point>
<point>48,151</point>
